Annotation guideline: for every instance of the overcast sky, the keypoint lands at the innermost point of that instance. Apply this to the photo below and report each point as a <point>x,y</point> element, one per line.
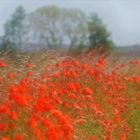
<point>122,17</point>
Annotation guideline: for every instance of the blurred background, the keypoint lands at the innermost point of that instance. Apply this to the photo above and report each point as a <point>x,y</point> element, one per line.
<point>70,25</point>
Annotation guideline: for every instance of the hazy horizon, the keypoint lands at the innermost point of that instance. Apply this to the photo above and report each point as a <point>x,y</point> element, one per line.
<point>120,17</point>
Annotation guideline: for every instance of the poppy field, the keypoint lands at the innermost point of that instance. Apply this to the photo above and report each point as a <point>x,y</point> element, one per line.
<point>72,99</point>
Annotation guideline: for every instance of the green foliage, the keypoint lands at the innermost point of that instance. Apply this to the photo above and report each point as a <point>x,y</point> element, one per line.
<point>59,27</point>
<point>55,28</point>
<point>15,30</point>
<point>98,34</point>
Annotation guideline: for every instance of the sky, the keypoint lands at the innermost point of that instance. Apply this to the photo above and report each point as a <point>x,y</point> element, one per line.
<point>121,17</point>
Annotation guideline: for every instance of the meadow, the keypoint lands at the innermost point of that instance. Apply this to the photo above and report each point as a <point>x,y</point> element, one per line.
<point>53,96</point>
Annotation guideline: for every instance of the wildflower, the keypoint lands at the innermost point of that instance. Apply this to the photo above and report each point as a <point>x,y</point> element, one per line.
<point>72,96</point>
<point>47,123</point>
<point>3,127</point>
<point>14,116</point>
<point>122,137</point>
<point>87,91</point>
<point>20,100</point>
<point>38,134</point>
<point>5,138</point>
<point>28,65</point>
<point>52,135</point>
<point>19,137</point>
<point>4,108</point>
<point>2,64</point>
<point>1,79</point>
<point>84,66</point>
<point>92,138</point>
<point>10,76</point>
<point>29,73</point>
<point>33,121</point>
<point>71,86</point>
<point>68,131</point>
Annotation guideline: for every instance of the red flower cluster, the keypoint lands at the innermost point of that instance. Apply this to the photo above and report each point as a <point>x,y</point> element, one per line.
<point>66,97</point>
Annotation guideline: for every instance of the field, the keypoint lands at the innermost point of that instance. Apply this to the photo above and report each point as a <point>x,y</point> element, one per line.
<point>54,96</point>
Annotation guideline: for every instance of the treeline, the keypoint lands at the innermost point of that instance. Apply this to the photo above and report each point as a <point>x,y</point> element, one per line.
<point>54,28</point>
